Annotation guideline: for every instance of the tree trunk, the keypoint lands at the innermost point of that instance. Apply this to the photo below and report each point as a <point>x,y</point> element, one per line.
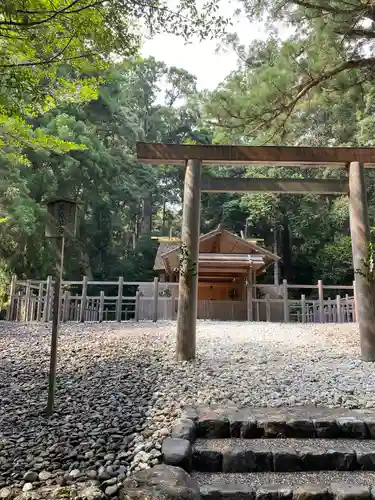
<point>147,216</point>
<point>163,219</point>
<point>86,266</point>
<point>286,250</point>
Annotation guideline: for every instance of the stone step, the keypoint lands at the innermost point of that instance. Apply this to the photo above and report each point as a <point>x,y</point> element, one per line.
<point>298,422</point>
<point>324,485</point>
<point>282,455</point>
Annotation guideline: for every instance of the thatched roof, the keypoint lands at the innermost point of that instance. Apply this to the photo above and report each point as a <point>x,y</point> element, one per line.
<point>248,246</point>
<point>163,248</point>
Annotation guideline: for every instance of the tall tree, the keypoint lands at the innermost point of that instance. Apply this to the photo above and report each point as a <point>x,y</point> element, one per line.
<point>250,107</point>
<point>56,51</point>
<point>334,38</point>
<point>105,176</point>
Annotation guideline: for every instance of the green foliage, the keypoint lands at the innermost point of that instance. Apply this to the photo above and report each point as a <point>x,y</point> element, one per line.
<point>103,173</point>
<point>4,284</point>
<point>311,88</point>
<point>335,260</point>
<point>187,266</point>
<point>56,52</point>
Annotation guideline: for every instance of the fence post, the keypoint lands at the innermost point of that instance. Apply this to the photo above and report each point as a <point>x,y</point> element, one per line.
<point>347,303</point>
<point>303,308</point>
<point>355,303</point>
<point>66,308</point>
<point>119,298</point>
<point>27,300</point>
<point>136,313</point>
<point>47,299</point>
<point>83,299</point>
<point>250,296</point>
<point>12,291</point>
<point>329,311</point>
<point>40,299</point>
<point>321,301</point>
<point>338,309</point>
<point>156,298</point>
<point>268,308</point>
<point>101,306</point>
<point>18,306</point>
<point>286,303</point>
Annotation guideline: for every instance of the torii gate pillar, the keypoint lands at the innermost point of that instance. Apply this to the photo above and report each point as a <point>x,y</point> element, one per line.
<point>188,287</point>
<point>360,233</point>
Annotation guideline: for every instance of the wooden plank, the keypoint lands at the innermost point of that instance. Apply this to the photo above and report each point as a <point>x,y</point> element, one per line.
<point>101,306</point>
<point>269,155</point>
<point>268,308</point>
<point>47,299</point>
<point>250,296</point>
<point>27,300</point>
<point>307,287</point>
<point>338,287</point>
<point>40,301</point>
<point>119,298</point>
<point>338,309</point>
<point>12,291</point>
<point>83,300</point>
<point>364,288</point>
<point>347,308</point>
<point>325,287</point>
<point>32,308</point>
<point>291,186</point>
<point>303,308</point>
<point>329,311</point>
<point>18,306</point>
<point>188,286</point>
<point>137,305</point>
<point>155,302</point>
<point>65,308</point>
<point>257,307</point>
<point>355,303</point>
<point>286,302</point>
<point>321,301</point>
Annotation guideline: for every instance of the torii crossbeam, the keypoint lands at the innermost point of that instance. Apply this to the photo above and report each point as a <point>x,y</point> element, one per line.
<point>354,159</point>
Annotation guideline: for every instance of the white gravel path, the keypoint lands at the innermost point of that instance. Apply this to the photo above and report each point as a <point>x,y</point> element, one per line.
<point>119,388</point>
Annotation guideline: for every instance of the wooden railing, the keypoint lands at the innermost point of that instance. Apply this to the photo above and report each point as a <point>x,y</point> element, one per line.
<point>86,300</point>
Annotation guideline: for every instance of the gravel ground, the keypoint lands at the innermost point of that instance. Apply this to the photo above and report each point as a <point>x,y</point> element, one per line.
<point>119,389</point>
<point>291,479</point>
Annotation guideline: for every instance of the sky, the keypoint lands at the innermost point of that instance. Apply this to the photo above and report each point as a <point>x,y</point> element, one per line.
<point>201,58</point>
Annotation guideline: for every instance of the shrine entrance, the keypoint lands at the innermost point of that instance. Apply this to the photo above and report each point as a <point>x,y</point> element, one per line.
<point>354,160</point>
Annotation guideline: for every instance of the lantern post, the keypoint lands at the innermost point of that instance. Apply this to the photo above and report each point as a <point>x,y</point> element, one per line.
<point>62,220</point>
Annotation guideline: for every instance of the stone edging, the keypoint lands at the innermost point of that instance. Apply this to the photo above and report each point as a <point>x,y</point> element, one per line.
<point>177,450</point>
<point>297,422</point>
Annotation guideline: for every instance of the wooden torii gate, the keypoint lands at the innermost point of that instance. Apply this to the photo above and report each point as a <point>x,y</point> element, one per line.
<point>194,156</point>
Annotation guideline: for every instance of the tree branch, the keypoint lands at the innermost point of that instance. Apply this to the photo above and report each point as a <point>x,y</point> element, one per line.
<point>66,10</point>
<point>279,110</point>
<point>44,63</point>
<point>303,89</point>
<point>355,32</point>
<point>324,8</point>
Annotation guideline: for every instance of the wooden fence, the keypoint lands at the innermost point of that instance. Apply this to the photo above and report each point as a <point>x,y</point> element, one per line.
<point>85,300</point>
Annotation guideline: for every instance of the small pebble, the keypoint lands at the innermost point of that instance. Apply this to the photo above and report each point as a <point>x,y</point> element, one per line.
<point>30,476</point>
<point>44,475</point>
<point>5,493</point>
<point>111,490</point>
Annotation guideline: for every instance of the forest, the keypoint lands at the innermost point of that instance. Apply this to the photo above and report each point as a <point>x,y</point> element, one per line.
<point>76,96</point>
